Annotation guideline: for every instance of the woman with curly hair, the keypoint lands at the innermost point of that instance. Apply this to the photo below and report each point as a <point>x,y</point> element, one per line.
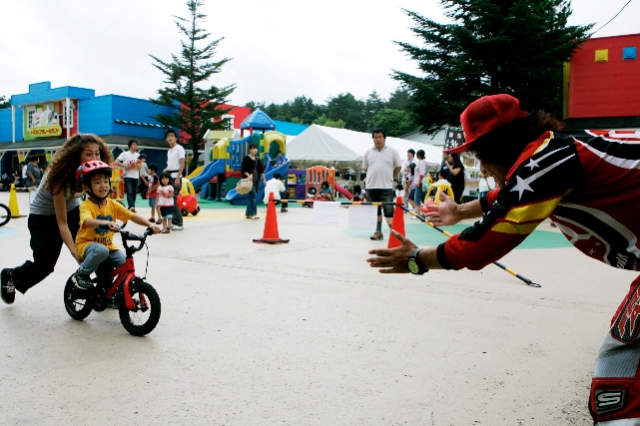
<point>54,216</point>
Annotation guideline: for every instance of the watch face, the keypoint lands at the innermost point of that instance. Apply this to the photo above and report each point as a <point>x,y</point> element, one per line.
<point>413,266</point>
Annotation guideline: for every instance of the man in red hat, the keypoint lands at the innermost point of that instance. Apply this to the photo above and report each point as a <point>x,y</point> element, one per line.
<point>588,184</point>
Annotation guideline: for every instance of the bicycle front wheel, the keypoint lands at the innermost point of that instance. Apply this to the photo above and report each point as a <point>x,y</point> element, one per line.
<point>144,316</point>
<point>5,215</point>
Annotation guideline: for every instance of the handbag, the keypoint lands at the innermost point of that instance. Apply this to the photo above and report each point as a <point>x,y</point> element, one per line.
<point>244,186</point>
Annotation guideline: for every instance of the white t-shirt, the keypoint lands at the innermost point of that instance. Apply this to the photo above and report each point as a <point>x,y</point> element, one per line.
<point>173,160</point>
<point>487,184</point>
<point>24,172</point>
<point>379,166</point>
<point>420,172</point>
<point>128,158</point>
<point>273,185</point>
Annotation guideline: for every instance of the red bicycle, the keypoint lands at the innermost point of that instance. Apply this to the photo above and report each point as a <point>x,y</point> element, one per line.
<point>137,301</point>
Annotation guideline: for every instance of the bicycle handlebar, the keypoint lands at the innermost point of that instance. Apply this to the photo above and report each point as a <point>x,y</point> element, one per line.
<point>129,236</point>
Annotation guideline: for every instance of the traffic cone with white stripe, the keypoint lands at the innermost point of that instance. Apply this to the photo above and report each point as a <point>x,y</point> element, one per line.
<point>397,224</point>
<point>271,235</point>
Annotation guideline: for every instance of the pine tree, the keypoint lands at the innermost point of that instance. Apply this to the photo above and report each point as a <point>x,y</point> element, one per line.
<point>494,46</point>
<point>198,108</point>
<point>4,102</point>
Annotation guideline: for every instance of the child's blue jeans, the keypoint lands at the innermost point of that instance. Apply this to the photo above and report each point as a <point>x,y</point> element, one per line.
<point>96,253</point>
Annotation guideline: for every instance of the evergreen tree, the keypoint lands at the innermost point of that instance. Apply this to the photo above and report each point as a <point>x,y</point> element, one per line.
<point>198,109</point>
<point>4,102</point>
<point>393,121</point>
<point>495,46</point>
<point>347,108</point>
<point>372,106</point>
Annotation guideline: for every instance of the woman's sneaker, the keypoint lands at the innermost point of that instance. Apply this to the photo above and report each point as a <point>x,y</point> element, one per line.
<point>82,281</point>
<point>8,290</point>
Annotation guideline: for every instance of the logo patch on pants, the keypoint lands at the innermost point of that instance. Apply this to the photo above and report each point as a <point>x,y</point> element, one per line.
<point>609,400</point>
<point>625,328</point>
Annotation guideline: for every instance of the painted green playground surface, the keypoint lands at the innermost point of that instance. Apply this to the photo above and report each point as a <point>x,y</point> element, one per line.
<point>418,233</point>
<point>423,235</point>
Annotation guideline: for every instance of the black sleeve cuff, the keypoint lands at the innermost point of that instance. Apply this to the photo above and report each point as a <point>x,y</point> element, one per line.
<point>442,259</point>
<point>484,203</point>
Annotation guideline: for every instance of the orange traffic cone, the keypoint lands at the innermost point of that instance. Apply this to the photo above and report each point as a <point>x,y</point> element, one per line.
<point>271,235</point>
<point>397,224</point>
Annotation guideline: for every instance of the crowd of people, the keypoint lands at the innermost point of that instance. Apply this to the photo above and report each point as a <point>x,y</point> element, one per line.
<point>29,175</point>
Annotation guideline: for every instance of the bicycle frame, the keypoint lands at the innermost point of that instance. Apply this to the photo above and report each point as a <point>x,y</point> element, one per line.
<point>124,275</point>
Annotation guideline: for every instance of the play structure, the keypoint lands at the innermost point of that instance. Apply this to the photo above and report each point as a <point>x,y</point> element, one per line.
<point>314,177</point>
<point>225,158</point>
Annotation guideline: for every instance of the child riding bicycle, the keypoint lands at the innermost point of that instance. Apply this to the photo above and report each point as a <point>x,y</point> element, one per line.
<point>98,215</point>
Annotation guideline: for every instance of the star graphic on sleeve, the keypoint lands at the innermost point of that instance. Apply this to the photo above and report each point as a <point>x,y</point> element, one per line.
<point>591,252</point>
<point>521,186</point>
<point>533,164</point>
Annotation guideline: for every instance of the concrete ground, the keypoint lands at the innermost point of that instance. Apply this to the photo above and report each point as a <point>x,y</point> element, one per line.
<point>308,334</point>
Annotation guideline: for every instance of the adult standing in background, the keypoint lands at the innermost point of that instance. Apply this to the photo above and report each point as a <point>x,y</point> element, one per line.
<point>144,177</point>
<point>128,160</point>
<point>252,168</point>
<point>456,175</point>
<point>34,174</point>
<point>382,164</point>
<point>23,175</point>
<point>175,166</point>
<point>416,186</point>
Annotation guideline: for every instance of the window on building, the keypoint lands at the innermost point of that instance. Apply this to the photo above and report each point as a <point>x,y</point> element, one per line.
<point>30,111</point>
<point>68,115</point>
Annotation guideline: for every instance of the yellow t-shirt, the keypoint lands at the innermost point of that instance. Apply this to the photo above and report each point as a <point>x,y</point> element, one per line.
<point>111,211</point>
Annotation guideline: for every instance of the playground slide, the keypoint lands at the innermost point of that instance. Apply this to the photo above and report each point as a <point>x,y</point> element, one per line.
<point>209,172</point>
<point>237,199</point>
<point>343,191</point>
<point>195,173</point>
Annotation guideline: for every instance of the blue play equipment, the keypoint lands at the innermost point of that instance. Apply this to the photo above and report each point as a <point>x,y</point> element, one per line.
<point>227,156</point>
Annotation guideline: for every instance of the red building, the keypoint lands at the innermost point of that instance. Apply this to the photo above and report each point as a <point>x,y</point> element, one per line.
<point>236,116</point>
<point>604,84</point>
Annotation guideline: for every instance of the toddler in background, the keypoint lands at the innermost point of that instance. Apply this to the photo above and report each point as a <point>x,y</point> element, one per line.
<point>165,201</point>
<point>152,192</point>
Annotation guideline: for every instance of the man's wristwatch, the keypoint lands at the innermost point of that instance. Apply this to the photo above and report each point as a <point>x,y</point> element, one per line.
<point>415,265</point>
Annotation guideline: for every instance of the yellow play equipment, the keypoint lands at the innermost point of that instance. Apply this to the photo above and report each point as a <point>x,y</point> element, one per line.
<point>433,194</point>
<point>196,172</point>
<point>187,187</point>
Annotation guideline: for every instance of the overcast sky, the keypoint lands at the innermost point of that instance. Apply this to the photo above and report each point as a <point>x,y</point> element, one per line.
<point>280,49</point>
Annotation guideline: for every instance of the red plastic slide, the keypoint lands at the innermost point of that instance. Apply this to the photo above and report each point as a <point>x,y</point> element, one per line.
<point>343,191</point>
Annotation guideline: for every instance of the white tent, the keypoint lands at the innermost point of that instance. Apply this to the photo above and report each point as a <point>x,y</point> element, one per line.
<point>320,143</point>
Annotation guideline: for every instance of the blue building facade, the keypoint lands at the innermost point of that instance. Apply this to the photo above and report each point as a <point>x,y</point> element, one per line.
<point>40,121</point>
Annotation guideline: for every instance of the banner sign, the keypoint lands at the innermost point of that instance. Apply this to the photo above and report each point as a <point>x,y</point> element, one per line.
<point>453,138</point>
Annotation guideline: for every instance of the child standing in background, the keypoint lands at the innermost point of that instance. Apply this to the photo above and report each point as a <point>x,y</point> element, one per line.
<point>165,201</point>
<point>152,193</point>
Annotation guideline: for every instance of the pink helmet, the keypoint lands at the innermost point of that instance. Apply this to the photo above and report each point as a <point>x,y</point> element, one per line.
<point>86,170</point>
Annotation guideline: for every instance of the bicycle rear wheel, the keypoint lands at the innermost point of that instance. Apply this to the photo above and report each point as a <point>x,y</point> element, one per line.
<point>144,317</point>
<point>5,214</point>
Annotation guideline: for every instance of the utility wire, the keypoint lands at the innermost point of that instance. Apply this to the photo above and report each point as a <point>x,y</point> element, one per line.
<point>612,18</point>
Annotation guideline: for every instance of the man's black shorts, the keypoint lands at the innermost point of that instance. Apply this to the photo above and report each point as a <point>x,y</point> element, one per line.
<point>383,195</point>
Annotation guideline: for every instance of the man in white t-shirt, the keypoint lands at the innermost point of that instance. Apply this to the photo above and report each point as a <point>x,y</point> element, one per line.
<point>382,164</point>
<point>275,186</point>
<point>128,160</point>
<point>175,166</point>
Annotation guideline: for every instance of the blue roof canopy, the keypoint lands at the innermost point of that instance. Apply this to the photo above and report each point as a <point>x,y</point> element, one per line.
<point>258,120</point>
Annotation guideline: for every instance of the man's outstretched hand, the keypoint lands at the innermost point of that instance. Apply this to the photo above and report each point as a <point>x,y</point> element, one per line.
<point>447,213</point>
<point>393,261</point>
